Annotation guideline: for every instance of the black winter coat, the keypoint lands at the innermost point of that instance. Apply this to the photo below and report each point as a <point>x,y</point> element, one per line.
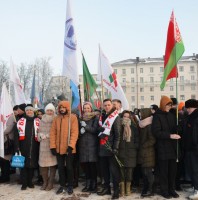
<point>88,142</point>
<point>128,150</point>
<point>113,138</point>
<point>28,147</point>
<point>163,125</point>
<point>190,134</point>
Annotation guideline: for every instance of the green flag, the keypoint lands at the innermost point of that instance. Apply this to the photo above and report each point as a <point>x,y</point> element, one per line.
<point>89,83</point>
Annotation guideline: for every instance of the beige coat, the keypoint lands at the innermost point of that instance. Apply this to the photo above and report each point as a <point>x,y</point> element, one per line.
<point>46,159</point>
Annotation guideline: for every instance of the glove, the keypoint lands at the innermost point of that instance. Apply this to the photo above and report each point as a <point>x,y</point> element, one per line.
<point>53,151</point>
<point>115,152</point>
<point>83,124</point>
<point>100,129</point>
<point>102,136</point>
<point>69,150</point>
<point>82,130</point>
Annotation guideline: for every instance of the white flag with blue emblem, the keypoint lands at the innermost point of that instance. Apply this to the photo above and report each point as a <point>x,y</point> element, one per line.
<point>70,68</point>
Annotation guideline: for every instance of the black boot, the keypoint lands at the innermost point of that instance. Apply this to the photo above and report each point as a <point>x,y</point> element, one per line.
<point>87,185</point>
<point>5,173</point>
<point>93,186</point>
<point>104,191</point>
<point>115,194</point>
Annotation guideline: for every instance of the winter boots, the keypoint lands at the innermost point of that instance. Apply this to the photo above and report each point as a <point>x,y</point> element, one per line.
<point>128,188</point>
<point>122,189</point>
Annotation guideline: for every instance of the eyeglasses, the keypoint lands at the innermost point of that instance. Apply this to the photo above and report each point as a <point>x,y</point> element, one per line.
<point>169,104</point>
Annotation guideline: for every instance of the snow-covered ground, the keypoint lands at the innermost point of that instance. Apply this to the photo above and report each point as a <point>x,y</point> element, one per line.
<point>12,191</point>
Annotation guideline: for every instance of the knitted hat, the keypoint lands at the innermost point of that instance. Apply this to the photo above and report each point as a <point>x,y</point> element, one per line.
<point>50,106</point>
<point>164,101</point>
<point>22,107</point>
<point>29,107</point>
<point>88,103</point>
<point>154,107</point>
<point>15,107</point>
<point>174,100</point>
<point>181,105</point>
<point>191,103</point>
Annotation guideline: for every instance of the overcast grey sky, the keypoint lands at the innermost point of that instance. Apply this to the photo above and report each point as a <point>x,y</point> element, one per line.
<point>124,28</point>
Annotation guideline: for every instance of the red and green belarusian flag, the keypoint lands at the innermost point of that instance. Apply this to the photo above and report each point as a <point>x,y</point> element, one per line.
<point>174,51</point>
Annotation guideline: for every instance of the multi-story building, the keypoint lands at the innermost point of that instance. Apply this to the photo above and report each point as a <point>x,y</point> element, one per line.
<point>141,78</point>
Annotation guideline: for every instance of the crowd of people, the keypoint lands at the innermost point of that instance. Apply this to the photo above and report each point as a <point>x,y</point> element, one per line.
<point>111,145</point>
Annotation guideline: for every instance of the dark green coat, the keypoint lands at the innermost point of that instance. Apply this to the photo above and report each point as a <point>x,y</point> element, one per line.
<point>128,150</point>
<point>146,154</point>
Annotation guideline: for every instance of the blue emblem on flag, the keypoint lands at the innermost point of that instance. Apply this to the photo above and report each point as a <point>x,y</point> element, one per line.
<point>70,39</point>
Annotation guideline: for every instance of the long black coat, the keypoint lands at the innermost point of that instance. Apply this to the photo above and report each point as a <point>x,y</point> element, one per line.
<point>190,134</point>
<point>128,150</point>
<point>88,142</point>
<point>113,138</point>
<point>163,125</point>
<point>28,147</point>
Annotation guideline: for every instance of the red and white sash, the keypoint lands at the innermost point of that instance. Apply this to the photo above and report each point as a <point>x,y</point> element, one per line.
<point>108,122</point>
<point>21,128</point>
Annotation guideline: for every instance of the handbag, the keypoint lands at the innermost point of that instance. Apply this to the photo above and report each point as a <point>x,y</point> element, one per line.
<point>8,146</point>
<point>18,161</point>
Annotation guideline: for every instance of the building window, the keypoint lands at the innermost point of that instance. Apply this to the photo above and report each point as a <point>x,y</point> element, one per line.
<point>141,80</point>
<point>171,88</point>
<point>171,96</point>
<point>182,87</point>
<point>151,79</point>
<point>181,68</point>
<point>192,87</point>
<point>151,89</point>
<point>182,97</point>
<point>132,70</point>
<point>193,96</point>
<point>192,78</point>
<point>141,89</point>
<point>124,88</point>
<point>80,80</point>
<point>123,71</point>
<point>141,106</point>
<point>192,69</point>
<point>132,80</point>
<point>132,107</point>
<point>151,69</point>
<point>116,71</point>
<point>132,89</point>
<point>141,70</point>
<point>182,78</point>
<point>152,98</point>
<point>161,78</point>
<point>124,80</point>
<point>133,98</point>
<point>142,98</point>
<point>161,69</point>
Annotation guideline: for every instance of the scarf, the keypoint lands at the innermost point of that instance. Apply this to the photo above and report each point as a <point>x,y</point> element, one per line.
<point>88,116</point>
<point>145,122</point>
<point>126,122</point>
<point>21,128</point>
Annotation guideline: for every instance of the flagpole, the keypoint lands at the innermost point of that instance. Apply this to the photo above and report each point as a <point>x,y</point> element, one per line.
<point>69,121</point>
<point>80,99</point>
<point>101,75</point>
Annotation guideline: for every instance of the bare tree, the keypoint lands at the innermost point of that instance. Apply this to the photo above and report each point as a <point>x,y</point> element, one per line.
<point>4,75</point>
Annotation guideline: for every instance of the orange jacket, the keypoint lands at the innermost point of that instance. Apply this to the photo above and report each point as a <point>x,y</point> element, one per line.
<point>59,131</point>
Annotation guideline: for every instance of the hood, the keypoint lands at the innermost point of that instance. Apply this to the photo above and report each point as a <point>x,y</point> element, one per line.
<point>145,112</point>
<point>164,101</point>
<point>65,104</point>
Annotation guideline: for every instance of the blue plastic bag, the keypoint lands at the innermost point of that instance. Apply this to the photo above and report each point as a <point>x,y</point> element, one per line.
<point>18,161</point>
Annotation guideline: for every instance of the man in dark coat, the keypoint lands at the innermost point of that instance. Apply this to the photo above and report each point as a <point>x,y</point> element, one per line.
<point>109,133</point>
<point>164,129</point>
<point>190,143</point>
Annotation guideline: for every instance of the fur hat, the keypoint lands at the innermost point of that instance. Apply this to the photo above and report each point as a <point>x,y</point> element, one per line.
<point>154,107</point>
<point>174,100</point>
<point>22,107</point>
<point>164,101</point>
<point>191,103</point>
<point>50,106</point>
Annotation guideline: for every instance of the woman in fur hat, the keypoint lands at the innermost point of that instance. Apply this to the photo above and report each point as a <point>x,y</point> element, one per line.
<point>47,161</point>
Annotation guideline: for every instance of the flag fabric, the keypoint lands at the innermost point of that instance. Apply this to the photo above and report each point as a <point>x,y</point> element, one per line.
<point>33,89</point>
<point>70,68</point>
<point>110,80</point>
<point>5,112</point>
<point>18,88</point>
<point>174,51</point>
<point>89,83</point>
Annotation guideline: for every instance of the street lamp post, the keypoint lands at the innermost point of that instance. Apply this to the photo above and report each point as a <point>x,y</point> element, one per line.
<point>136,64</point>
